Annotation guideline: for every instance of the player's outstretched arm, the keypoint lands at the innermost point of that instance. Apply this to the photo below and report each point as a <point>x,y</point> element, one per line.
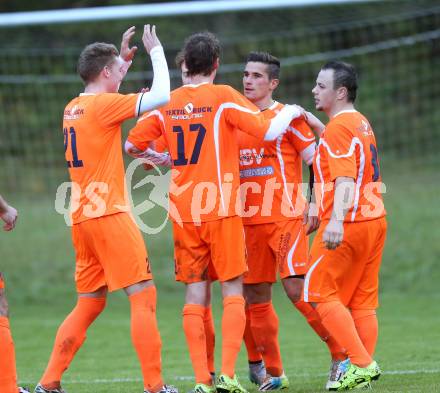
<point>279,124</point>
<point>159,93</point>
<point>8,214</point>
<point>314,123</point>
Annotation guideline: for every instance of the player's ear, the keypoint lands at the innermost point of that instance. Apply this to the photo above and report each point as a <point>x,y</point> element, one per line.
<point>341,93</point>
<point>274,83</point>
<point>106,71</point>
<point>216,63</point>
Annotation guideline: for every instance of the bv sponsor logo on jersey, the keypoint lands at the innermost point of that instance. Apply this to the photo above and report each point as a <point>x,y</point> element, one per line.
<point>251,156</point>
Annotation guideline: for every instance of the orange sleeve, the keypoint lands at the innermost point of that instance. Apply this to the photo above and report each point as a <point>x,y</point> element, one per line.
<point>341,151</point>
<point>300,135</point>
<point>160,145</point>
<point>114,108</point>
<point>243,114</point>
<point>147,129</point>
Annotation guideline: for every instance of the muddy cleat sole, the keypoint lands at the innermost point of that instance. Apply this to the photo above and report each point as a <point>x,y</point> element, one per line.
<point>40,389</point>
<point>227,384</point>
<point>274,383</point>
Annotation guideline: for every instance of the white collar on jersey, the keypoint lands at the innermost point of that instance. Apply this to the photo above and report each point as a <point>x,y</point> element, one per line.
<point>345,111</point>
<point>87,94</point>
<point>200,84</point>
<point>274,105</point>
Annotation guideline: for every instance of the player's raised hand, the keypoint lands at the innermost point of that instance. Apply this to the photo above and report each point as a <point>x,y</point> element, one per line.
<point>149,38</point>
<point>9,216</point>
<point>126,52</point>
<point>333,234</point>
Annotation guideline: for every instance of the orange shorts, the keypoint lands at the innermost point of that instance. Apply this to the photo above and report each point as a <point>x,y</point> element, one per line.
<point>2,281</point>
<point>110,251</point>
<point>350,273</point>
<point>214,249</point>
<point>277,246</point>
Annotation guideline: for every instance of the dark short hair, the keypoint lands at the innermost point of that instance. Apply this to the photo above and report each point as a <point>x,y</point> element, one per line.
<point>273,64</point>
<point>94,58</point>
<point>201,51</point>
<point>344,75</point>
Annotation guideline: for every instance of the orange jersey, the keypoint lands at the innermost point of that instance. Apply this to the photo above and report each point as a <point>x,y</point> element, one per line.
<point>271,172</point>
<point>347,148</point>
<point>93,149</point>
<point>200,126</point>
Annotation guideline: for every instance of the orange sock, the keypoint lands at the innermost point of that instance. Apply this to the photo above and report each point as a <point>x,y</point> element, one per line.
<point>208,321</point>
<point>314,320</point>
<point>194,328</point>
<point>8,374</point>
<point>70,336</point>
<point>338,321</point>
<point>264,325</point>
<point>146,338</point>
<point>252,352</point>
<point>233,324</point>
<point>367,328</point>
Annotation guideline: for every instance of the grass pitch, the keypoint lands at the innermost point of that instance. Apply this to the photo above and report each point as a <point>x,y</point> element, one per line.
<point>37,259</point>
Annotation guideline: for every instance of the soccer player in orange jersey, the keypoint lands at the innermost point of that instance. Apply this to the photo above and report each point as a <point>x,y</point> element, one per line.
<point>8,372</point>
<point>110,252</point>
<point>199,126</point>
<point>342,278</point>
<point>276,238</point>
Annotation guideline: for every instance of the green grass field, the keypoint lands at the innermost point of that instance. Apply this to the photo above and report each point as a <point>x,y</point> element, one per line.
<point>37,259</point>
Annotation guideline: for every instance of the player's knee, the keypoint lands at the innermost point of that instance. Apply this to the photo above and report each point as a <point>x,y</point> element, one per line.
<point>293,288</point>
<point>197,293</point>
<point>233,287</point>
<point>257,293</point>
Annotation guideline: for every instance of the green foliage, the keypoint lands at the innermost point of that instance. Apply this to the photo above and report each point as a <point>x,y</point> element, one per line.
<point>398,65</point>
